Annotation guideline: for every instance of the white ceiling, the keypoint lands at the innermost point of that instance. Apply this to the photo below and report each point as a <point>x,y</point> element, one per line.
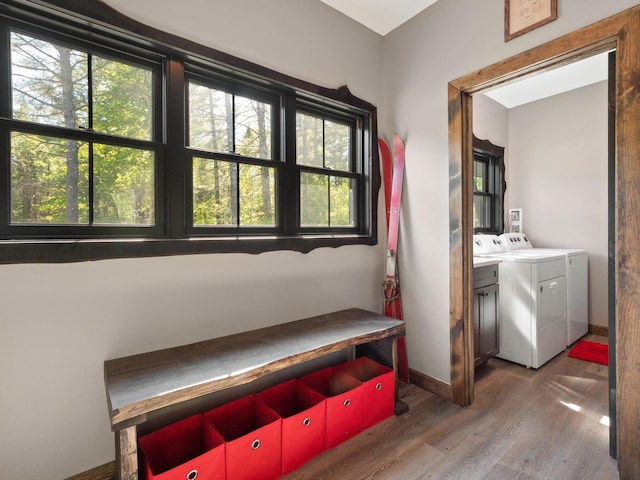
<point>381,16</point>
<point>575,75</point>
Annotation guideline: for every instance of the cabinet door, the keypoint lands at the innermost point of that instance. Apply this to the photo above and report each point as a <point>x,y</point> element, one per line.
<point>477,314</point>
<point>485,323</point>
<point>489,321</point>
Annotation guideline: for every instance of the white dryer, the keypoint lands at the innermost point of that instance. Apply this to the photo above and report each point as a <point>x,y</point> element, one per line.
<point>533,310</point>
<point>577,267</point>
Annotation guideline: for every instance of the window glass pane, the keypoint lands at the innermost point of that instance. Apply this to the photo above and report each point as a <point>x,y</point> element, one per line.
<point>49,180</point>
<point>253,128</point>
<point>122,99</point>
<point>214,192</point>
<point>479,176</point>
<point>210,118</point>
<point>49,83</point>
<point>123,185</point>
<point>481,211</point>
<point>342,202</point>
<point>257,196</point>
<point>314,200</point>
<point>309,143</point>
<point>337,145</point>
<point>217,117</point>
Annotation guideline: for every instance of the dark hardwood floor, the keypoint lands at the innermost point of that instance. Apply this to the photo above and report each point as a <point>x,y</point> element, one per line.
<point>545,424</point>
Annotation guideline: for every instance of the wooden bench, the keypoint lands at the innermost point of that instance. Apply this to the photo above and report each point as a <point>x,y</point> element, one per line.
<point>139,385</point>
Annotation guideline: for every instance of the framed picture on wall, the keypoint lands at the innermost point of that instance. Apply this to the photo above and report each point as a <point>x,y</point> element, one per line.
<point>522,16</point>
<point>515,220</point>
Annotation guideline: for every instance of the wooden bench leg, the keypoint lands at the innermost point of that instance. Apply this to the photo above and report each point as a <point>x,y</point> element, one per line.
<point>400,408</point>
<point>127,454</point>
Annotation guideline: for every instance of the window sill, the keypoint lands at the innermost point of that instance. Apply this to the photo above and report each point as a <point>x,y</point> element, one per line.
<point>69,251</point>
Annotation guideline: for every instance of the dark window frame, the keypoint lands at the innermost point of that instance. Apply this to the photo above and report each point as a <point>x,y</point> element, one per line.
<point>355,172</point>
<point>493,157</point>
<point>274,97</point>
<point>91,21</point>
<point>89,136</point>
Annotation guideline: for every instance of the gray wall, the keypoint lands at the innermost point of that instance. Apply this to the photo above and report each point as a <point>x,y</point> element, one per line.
<point>558,175</point>
<point>448,40</point>
<point>60,322</point>
<point>556,171</point>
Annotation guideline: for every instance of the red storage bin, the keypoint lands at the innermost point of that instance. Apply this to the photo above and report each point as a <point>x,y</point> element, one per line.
<point>252,433</point>
<point>303,413</point>
<point>378,388</point>
<point>183,450</point>
<point>343,395</point>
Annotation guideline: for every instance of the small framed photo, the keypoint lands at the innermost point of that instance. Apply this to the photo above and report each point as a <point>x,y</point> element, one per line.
<point>522,16</point>
<point>515,220</point>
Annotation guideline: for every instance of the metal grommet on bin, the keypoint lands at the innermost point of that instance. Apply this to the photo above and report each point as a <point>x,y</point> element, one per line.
<point>306,422</point>
<point>192,475</point>
<point>256,444</point>
<point>378,386</point>
<point>347,402</point>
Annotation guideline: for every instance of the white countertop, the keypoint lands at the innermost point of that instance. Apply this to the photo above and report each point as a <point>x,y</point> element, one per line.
<point>484,261</point>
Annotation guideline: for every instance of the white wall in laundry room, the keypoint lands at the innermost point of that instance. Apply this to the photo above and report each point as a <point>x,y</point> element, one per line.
<point>557,173</point>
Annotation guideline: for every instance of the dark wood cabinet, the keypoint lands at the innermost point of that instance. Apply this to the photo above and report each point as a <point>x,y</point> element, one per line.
<point>485,313</point>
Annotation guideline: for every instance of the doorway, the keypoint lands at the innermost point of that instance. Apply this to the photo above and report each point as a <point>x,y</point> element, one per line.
<point>620,32</point>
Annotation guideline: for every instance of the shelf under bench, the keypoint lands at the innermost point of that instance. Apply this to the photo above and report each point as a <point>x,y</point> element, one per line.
<point>140,384</point>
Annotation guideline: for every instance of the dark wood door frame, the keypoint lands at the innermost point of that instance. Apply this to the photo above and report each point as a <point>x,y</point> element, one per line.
<point>620,32</point>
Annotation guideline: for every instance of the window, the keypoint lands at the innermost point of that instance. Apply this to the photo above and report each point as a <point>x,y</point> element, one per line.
<point>488,187</point>
<point>83,157</point>
<point>233,166</point>
<point>106,136</point>
<point>324,155</point>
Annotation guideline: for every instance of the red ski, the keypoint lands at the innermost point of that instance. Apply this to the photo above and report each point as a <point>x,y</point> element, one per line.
<point>387,173</point>
<point>393,194</point>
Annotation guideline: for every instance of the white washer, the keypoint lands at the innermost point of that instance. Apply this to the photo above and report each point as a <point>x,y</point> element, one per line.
<point>577,267</point>
<point>533,302</point>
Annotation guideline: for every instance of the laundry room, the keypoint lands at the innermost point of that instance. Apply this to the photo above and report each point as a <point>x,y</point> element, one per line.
<point>555,167</point>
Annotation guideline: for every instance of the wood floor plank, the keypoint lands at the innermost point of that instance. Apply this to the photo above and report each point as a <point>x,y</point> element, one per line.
<point>524,424</point>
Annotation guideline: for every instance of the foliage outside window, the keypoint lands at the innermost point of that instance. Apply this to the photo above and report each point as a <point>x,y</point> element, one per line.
<point>58,177</point>
<point>324,155</point>
<point>233,170</point>
<point>488,187</point>
<point>105,137</point>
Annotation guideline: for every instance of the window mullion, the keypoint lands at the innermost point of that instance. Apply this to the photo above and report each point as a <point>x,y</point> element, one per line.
<point>290,188</point>
<point>324,165</point>
<point>89,91</point>
<point>91,184</point>
<point>329,200</point>
<point>232,124</point>
<point>237,187</point>
<point>175,196</point>
<point>90,173</point>
<point>5,77</point>
<point>5,133</point>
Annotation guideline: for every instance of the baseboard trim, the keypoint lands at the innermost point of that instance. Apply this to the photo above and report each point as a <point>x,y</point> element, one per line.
<point>430,384</point>
<point>103,472</point>
<point>599,330</point>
